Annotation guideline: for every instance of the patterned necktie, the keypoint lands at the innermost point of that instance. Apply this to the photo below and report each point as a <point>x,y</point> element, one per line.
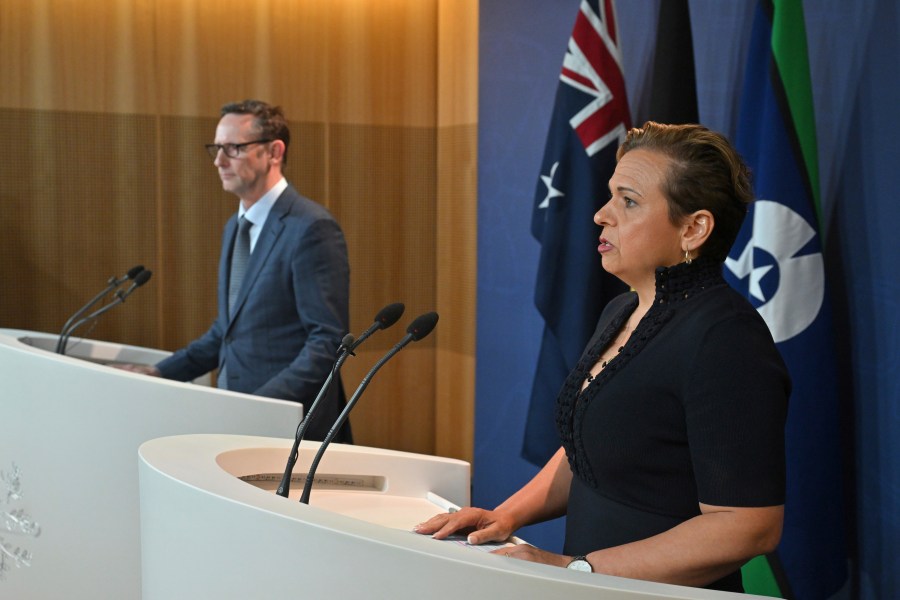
<point>240,255</point>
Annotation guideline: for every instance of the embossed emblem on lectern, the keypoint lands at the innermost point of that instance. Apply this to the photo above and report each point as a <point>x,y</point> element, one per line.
<point>15,523</point>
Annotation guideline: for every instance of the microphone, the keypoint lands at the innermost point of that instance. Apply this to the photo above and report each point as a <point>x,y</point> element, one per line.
<point>140,279</point>
<point>111,284</point>
<point>417,330</point>
<point>132,273</point>
<point>386,317</point>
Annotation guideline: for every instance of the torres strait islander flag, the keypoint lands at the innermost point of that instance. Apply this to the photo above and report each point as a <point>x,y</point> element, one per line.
<point>777,263</point>
<point>590,118</point>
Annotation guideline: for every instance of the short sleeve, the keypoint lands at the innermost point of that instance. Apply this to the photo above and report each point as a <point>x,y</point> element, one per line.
<point>735,405</point>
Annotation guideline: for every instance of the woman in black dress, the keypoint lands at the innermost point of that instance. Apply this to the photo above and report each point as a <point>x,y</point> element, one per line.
<point>671,465</point>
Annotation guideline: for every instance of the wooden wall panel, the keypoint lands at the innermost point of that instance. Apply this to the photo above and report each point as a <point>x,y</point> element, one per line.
<point>210,52</point>
<point>383,62</point>
<point>350,61</point>
<point>78,207</point>
<point>383,185</point>
<point>78,55</point>
<point>105,106</point>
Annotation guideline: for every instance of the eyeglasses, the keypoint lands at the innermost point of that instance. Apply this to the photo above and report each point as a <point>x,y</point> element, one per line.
<point>231,150</point>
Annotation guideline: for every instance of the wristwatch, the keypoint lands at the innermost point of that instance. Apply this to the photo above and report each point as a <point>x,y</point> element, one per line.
<point>580,563</point>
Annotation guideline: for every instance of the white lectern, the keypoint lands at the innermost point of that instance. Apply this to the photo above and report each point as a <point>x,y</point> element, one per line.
<point>72,427</point>
<point>211,527</point>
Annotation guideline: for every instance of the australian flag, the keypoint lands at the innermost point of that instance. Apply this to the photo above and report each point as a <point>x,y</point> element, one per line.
<point>777,263</point>
<point>590,118</point>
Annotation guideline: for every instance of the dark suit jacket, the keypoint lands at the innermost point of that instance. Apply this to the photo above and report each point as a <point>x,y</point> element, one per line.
<point>290,315</point>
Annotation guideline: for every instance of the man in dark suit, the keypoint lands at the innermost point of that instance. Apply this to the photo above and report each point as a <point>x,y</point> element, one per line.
<point>282,307</point>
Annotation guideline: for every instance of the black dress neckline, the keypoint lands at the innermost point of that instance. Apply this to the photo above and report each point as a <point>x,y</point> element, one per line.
<point>674,285</point>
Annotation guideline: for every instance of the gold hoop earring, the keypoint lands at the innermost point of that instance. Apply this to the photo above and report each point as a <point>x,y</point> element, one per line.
<point>687,257</point>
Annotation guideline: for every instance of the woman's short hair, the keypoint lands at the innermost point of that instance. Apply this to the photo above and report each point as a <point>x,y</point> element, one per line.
<point>705,172</point>
<point>269,120</point>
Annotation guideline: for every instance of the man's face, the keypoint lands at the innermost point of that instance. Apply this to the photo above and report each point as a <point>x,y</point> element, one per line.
<point>247,175</point>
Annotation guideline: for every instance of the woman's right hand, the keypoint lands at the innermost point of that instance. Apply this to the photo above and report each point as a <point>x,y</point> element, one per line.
<point>482,525</point>
<point>543,498</point>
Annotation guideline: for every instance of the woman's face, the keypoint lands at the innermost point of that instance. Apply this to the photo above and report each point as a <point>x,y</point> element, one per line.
<point>637,236</point>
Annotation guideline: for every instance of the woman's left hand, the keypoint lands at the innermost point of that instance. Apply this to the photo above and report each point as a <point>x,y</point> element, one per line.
<point>532,554</point>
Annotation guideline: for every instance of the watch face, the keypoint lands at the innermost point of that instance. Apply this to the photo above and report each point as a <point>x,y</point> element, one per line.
<point>580,564</point>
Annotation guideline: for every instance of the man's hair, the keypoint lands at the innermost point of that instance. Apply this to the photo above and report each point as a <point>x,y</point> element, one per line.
<point>269,120</point>
<point>705,172</point>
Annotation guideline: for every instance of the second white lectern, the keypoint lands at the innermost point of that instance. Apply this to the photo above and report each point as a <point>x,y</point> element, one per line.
<point>213,528</point>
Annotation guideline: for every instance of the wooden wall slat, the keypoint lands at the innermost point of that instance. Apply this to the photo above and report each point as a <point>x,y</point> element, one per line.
<point>456,237</point>
<point>457,231</point>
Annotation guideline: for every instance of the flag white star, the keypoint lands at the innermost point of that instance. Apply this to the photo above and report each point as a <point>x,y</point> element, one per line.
<point>552,192</point>
<point>743,266</point>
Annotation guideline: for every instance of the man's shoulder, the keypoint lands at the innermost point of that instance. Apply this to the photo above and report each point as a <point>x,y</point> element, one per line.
<point>295,205</point>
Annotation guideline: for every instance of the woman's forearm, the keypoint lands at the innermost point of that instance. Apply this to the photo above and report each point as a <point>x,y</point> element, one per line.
<point>698,551</point>
<point>544,497</point>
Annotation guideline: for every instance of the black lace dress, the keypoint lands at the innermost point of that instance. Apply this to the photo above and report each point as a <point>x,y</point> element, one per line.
<point>692,410</point>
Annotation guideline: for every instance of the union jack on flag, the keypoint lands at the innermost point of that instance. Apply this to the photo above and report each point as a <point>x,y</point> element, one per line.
<point>590,114</point>
<point>593,65</point>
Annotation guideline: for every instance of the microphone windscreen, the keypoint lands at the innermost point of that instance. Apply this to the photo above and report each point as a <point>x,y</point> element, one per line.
<point>142,278</point>
<point>347,341</point>
<point>389,315</point>
<point>422,326</point>
<point>134,271</point>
